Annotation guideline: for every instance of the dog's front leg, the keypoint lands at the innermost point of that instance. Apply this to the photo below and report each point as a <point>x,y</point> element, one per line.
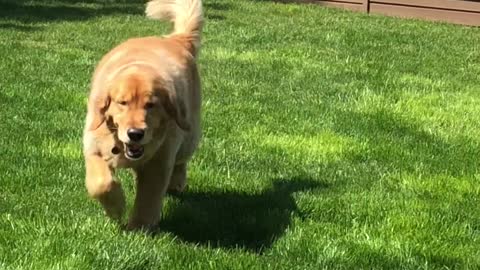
<point>102,186</point>
<point>152,182</point>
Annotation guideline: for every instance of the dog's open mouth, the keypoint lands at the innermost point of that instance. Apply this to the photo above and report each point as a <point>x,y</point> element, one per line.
<point>134,151</point>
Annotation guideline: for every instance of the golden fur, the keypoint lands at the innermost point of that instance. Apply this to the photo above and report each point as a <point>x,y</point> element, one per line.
<point>150,84</point>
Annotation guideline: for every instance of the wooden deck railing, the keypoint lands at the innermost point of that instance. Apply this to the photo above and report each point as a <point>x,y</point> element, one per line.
<point>456,11</point>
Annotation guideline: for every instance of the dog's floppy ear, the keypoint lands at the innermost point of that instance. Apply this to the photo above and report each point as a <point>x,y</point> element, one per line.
<point>98,106</point>
<point>175,107</point>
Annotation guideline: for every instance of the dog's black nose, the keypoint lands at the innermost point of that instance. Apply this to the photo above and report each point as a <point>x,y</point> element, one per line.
<point>135,134</point>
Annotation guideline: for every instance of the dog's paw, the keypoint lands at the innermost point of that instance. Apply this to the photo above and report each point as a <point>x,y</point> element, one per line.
<point>176,189</point>
<point>134,225</point>
<point>115,213</point>
<point>113,202</point>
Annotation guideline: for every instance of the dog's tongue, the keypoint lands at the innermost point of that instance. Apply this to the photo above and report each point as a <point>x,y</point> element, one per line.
<point>134,151</point>
<point>134,147</point>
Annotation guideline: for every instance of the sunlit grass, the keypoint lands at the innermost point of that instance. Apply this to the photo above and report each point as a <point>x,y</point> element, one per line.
<point>331,140</point>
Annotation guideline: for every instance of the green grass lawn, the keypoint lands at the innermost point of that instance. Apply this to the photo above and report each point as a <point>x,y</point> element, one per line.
<point>331,140</point>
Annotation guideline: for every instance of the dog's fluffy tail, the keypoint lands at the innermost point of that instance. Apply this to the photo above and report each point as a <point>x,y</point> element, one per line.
<point>185,14</point>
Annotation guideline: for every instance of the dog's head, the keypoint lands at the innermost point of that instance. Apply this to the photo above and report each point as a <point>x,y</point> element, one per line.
<point>137,105</point>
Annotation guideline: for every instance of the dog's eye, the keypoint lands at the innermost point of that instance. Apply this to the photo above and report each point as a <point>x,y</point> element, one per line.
<point>149,105</point>
<point>123,103</point>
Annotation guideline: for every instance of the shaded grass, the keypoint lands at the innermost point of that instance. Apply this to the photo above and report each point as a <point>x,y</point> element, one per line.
<point>242,220</point>
<point>331,140</point>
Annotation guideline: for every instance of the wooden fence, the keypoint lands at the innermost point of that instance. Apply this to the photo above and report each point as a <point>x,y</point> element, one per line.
<point>456,11</point>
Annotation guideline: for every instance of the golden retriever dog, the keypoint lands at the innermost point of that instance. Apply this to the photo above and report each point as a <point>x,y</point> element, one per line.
<point>144,114</point>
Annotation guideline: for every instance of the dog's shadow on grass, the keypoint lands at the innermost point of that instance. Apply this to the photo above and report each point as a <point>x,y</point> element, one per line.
<point>235,220</point>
